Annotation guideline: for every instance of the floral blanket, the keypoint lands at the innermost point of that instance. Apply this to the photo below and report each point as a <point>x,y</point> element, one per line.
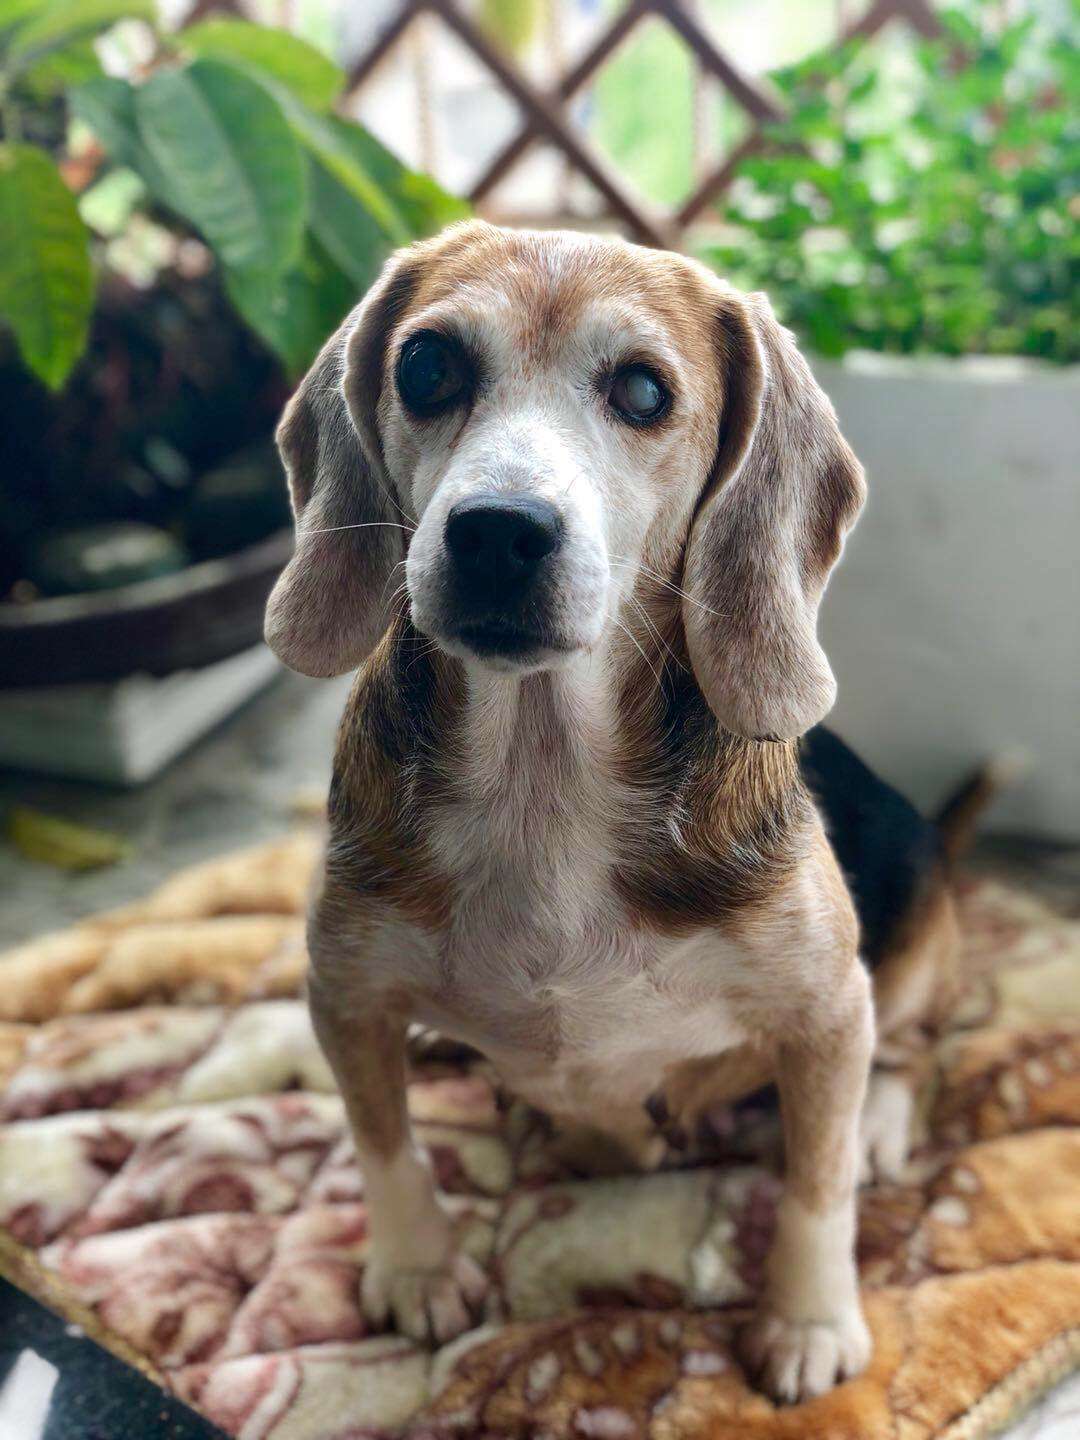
<point>175,1173</point>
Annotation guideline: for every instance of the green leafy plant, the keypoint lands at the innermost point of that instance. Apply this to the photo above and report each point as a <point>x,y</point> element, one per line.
<point>924,198</point>
<point>229,132</point>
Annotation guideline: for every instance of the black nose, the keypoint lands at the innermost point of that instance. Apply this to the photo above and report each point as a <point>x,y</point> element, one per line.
<point>498,541</point>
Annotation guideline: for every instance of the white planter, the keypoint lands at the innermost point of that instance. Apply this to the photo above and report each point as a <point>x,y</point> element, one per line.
<point>953,621</point>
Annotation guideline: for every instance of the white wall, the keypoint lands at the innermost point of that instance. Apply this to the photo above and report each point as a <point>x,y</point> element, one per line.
<point>953,621</point>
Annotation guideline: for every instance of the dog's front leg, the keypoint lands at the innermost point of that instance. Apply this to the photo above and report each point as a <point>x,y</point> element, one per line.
<point>809,1332</point>
<point>414,1271</point>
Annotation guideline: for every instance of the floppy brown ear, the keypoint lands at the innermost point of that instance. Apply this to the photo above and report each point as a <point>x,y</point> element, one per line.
<point>784,490</point>
<point>329,606</point>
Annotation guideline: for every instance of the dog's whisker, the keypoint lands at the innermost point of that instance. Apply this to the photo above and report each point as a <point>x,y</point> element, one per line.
<point>667,584</point>
<point>640,610</point>
<point>363,525</point>
<point>388,494</point>
<point>634,641</point>
<point>425,649</point>
<point>397,593</point>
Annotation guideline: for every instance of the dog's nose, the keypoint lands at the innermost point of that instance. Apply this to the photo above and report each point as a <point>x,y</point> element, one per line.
<point>498,541</point>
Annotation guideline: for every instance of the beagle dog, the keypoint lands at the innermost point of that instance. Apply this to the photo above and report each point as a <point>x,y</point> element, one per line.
<point>568,507</point>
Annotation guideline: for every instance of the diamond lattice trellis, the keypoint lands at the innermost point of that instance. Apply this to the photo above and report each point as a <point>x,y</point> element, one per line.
<point>544,115</point>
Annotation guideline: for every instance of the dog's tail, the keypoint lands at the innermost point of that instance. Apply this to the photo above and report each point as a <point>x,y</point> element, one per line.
<point>958,815</point>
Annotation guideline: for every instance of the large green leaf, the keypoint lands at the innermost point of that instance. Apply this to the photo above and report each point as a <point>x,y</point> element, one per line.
<point>327,139</point>
<point>307,72</point>
<point>294,313</point>
<point>230,162</point>
<point>425,206</point>
<point>59,23</point>
<point>46,282</point>
<point>357,236</point>
<point>106,105</point>
<point>344,227</point>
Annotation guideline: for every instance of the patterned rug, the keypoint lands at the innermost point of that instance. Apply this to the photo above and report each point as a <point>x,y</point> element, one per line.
<point>175,1174</point>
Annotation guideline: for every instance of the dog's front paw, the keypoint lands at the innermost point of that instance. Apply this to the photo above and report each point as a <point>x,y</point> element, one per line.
<point>432,1304</point>
<point>794,1360</point>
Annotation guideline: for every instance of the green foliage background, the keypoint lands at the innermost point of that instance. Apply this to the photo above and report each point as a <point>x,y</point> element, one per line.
<point>230,136</point>
<point>934,209</point>
<point>922,196</point>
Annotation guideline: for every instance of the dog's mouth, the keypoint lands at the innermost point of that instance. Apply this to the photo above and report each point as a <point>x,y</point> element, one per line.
<point>503,640</point>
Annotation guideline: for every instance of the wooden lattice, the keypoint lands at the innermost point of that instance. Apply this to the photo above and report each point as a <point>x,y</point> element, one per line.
<point>544,115</point>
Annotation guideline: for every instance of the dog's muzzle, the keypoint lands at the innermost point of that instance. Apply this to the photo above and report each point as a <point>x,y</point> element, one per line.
<point>501,550</point>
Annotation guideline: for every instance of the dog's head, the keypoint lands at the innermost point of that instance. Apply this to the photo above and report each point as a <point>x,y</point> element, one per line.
<point>527,423</point>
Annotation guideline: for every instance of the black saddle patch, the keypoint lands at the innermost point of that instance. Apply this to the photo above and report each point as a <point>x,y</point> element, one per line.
<point>887,850</point>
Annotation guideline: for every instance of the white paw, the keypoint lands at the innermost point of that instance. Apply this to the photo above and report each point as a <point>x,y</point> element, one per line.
<point>794,1360</point>
<point>885,1129</point>
<point>430,1304</point>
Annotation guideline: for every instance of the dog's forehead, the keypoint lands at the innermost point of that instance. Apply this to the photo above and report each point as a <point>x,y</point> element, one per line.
<point>546,289</point>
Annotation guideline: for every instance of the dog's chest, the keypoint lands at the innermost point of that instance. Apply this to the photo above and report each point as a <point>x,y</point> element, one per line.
<point>544,971</point>
<point>537,960</point>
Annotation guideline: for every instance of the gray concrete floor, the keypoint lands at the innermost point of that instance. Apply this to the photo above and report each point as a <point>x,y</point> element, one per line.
<point>236,787</point>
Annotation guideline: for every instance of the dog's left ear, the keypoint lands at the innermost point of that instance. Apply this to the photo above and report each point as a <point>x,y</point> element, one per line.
<point>784,490</point>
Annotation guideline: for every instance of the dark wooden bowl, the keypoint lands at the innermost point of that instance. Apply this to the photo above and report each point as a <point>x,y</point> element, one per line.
<point>176,622</point>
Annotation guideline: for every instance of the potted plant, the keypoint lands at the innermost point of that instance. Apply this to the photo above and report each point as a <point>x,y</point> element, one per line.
<point>915,221</point>
<point>183,219</point>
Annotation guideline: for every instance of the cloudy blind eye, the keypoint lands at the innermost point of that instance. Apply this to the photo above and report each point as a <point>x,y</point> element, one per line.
<point>637,395</point>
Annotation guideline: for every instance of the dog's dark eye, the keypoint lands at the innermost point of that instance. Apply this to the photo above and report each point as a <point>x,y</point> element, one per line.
<point>431,373</point>
<point>638,396</point>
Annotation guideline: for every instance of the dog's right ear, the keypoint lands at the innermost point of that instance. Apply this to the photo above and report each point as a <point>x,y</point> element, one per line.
<point>330,604</point>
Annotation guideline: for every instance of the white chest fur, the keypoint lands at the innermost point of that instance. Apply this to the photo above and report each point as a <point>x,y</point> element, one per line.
<point>541,967</point>
<point>573,1021</point>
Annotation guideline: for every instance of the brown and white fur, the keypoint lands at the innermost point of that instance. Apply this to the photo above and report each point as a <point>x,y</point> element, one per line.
<point>593,860</point>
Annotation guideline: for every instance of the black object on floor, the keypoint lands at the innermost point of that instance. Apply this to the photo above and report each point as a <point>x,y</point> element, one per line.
<point>57,1384</point>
